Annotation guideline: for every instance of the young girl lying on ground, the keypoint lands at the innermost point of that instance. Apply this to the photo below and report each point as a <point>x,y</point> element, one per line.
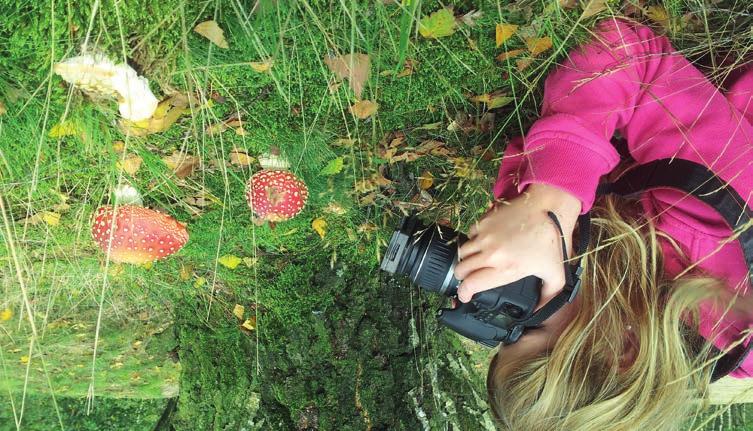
<point>616,358</point>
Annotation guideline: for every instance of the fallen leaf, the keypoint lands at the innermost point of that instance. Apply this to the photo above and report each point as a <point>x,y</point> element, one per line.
<point>364,109</point>
<point>240,157</point>
<point>3,109</point>
<point>51,218</point>
<point>593,7</point>
<point>353,67</point>
<point>335,166</point>
<point>261,66</point>
<point>493,100</point>
<point>250,261</point>
<point>522,63</point>
<point>568,4</point>
<point>200,281</point>
<point>181,164</point>
<point>537,45</point>
<point>320,226</point>
<point>335,208</point>
<point>229,261</point>
<point>147,265</point>
<point>658,15</point>
<point>439,24</point>
<point>410,66</point>
<point>130,164</point>
<point>249,324</point>
<point>118,146</point>
<point>238,311</point>
<point>6,315</point>
<point>167,113</point>
<point>426,180</point>
<point>510,54</point>
<point>24,359</point>
<point>185,272</point>
<point>504,32</point>
<point>213,32</point>
<point>470,18</point>
<point>345,142</point>
<point>66,128</point>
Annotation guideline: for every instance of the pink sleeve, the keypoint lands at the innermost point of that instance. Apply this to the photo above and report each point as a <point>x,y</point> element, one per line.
<point>631,81</point>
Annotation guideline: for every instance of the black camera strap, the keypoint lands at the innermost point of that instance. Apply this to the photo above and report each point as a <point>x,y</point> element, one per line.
<point>701,183</point>
<point>572,272</point>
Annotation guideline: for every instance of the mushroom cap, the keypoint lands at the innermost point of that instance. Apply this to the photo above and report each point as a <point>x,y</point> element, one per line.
<point>140,235</point>
<point>276,195</point>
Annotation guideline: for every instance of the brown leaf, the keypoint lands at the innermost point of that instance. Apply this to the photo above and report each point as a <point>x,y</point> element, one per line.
<point>493,100</point>
<point>510,54</point>
<point>182,164</point>
<point>3,109</point>
<point>410,66</point>
<point>568,4</point>
<point>364,109</point>
<point>353,67</point>
<point>522,63</point>
<point>213,32</point>
<point>658,15</point>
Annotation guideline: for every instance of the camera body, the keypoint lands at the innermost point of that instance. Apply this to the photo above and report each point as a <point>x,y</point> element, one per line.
<point>428,255</point>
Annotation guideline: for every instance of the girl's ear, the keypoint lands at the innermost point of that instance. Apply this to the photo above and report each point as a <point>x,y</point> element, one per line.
<point>631,349</point>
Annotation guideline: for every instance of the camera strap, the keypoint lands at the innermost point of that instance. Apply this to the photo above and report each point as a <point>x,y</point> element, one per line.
<point>701,183</point>
<point>572,272</point>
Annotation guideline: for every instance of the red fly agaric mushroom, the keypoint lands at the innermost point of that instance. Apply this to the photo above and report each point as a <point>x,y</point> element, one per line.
<point>276,195</point>
<point>139,235</point>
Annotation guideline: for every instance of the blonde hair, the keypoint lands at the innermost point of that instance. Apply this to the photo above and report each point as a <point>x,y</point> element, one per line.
<point>579,384</point>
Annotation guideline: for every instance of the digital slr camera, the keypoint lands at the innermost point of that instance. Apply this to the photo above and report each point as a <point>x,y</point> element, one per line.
<point>428,255</point>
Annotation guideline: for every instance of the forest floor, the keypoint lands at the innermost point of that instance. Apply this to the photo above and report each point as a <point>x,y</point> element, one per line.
<point>254,327</point>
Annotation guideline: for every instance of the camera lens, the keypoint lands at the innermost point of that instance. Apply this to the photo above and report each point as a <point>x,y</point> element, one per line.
<point>427,255</point>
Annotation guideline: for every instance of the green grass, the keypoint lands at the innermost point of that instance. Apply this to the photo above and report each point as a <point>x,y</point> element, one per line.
<point>336,344</point>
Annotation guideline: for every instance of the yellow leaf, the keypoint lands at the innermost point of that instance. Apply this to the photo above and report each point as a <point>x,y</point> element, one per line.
<point>493,100</point>
<point>504,32</point>
<point>593,7</point>
<point>320,226</point>
<point>238,311</point>
<point>250,261</point>
<point>6,315</point>
<point>118,146</point>
<point>229,261</point>
<point>147,265</point>
<point>182,164</point>
<point>537,45</point>
<point>24,359</point>
<point>426,180</point>
<point>51,218</point>
<point>3,109</point>
<point>364,109</point>
<point>249,324</point>
<point>439,24</point>
<point>261,66</point>
<point>200,281</point>
<point>130,164</point>
<point>240,157</point>
<point>66,128</point>
<point>213,32</point>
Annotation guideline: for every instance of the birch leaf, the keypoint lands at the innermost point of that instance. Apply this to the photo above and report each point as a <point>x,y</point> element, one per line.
<point>537,45</point>
<point>230,261</point>
<point>238,311</point>
<point>364,109</point>
<point>505,32</point>
<point>439,24</point>
<point>320,226</point>
<point>353,67</point>
<point>212,31</point>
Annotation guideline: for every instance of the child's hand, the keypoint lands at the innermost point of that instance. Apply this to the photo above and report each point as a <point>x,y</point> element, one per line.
<point>517,239</point>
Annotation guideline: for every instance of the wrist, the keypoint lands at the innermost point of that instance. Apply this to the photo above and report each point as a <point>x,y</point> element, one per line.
<point>564,205</point>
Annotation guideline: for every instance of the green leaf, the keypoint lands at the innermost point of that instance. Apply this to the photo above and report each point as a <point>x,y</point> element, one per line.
<point>333,167</point>
<point>439,24</point>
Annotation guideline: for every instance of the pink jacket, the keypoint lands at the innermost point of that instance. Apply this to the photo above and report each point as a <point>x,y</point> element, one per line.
<point>631,81</point>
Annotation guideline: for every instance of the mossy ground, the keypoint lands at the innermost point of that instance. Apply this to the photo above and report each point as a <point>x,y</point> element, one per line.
<point>336,344</point>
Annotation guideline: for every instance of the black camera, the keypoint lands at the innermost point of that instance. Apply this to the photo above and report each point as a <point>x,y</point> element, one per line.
<point>428,255</point>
